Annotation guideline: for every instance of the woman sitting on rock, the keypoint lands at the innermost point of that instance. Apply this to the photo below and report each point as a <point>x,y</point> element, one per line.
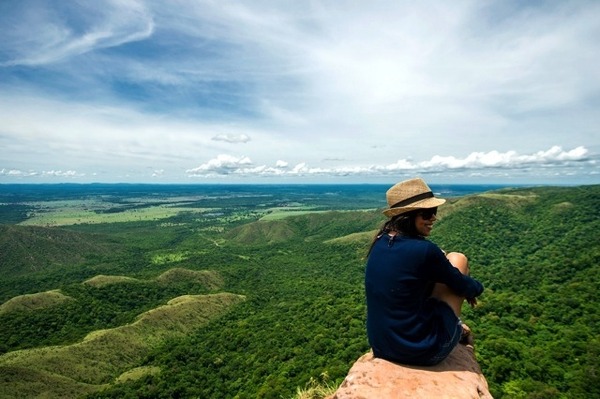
<point>414,290</point>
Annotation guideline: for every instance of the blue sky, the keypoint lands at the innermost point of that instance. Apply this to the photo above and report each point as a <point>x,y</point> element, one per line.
<point>194,91</point>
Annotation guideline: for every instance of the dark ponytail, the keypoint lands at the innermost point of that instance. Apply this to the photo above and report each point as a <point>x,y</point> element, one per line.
<point>404,224</point>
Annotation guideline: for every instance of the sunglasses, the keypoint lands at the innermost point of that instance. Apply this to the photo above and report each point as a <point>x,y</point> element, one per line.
<point>427,214</point>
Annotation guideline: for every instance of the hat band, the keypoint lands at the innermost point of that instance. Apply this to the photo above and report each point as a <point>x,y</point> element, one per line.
<point>415,198</point>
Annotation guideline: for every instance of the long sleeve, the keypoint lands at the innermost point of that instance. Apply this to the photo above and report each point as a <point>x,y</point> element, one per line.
<point>437,268</point>
<point>403,324</point>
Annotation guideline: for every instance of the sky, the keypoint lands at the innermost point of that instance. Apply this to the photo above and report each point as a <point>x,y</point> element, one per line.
<point>294,91</point>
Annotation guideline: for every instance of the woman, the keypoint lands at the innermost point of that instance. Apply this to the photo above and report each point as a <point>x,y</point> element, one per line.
<point>414,290</point>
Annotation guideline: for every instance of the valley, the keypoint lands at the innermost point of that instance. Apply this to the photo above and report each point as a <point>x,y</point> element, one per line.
<point>256,291</point>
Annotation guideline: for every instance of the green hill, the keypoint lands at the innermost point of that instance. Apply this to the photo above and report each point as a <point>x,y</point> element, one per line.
<point>206,278</point>
<point>37,301</point>
<point>538,253</point>
<point>59,317</point>
<point>104,355</point>
<point>311,226</point>
<point>27,249</point>
<point>102,280</point>
<point>263,232</point>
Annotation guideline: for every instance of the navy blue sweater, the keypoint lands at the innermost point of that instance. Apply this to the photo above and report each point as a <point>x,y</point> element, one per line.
<point>403,323</point>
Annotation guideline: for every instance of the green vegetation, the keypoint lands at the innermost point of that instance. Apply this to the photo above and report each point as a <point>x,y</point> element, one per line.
<point>105,355</point>
<point>68,214</point>
<point>102,280</point>
<point>100,302</point>
<point>30,249</point>
<point>153,308</point>
<point>538,323</point>
<point>282,213</point>
<point>38,301</point>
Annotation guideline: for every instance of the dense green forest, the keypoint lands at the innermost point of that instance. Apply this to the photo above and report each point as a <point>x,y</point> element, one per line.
<point>292,306</point>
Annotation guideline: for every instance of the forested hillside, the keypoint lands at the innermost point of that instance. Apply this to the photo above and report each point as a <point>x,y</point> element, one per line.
<point>30,249</point>
<point>302,316</point>
<point>538,253</point>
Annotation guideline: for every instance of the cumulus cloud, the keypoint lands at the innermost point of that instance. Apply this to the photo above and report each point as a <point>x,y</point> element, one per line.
<point>17,173</point>
<point>60,173</point>
<point>511,159</point>
<point>232,138</point>
<point>555,157</point>
<point>555,160</point>
<point>228,165</point>
<point>221,165</point>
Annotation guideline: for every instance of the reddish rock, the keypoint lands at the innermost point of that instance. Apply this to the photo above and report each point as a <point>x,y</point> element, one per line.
<point>457,377</point>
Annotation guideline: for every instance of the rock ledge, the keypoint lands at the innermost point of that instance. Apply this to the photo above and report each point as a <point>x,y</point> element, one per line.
<point>457,377</point>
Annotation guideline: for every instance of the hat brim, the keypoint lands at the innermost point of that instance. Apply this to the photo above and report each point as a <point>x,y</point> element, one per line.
<point>424,204</point>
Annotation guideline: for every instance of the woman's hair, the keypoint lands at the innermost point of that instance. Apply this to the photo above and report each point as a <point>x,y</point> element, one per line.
<point>404,224</point>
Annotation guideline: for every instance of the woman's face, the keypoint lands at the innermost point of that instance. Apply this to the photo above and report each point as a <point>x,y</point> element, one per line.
<point>424,221</point>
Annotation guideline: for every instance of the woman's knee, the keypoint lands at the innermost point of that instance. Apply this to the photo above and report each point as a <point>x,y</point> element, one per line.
<point>460,261</point>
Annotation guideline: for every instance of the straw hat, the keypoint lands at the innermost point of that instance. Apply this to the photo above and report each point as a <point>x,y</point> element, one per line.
<point>410,195</point>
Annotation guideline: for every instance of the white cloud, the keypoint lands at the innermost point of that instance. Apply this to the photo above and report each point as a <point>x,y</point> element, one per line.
<point>232,138</point>
<point>555,157</point>
<point>299,168</point>
<point>401,164</point>
<point>221,165</point>
<point>60,173</point>
<point>17,173</point>
<point>557,153</point>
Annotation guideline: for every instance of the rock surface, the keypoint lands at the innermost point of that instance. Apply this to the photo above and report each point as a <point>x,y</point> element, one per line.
<point>457,377</point>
